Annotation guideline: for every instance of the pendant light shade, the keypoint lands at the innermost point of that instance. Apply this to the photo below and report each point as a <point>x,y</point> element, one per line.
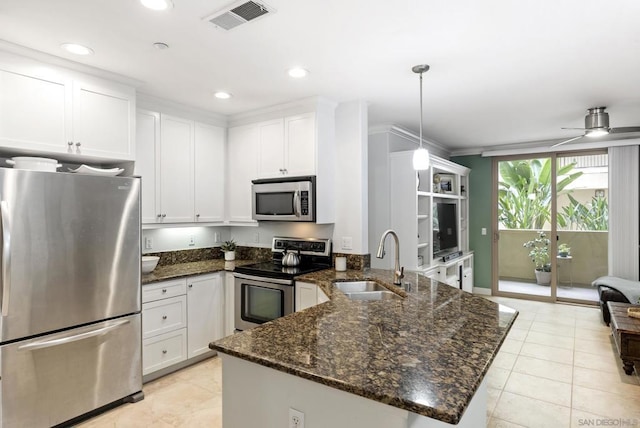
<point>421,159</point>
<point>421,155</point>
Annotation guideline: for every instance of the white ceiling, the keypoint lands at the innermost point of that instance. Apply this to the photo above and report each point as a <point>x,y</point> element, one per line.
<point>502,71</point>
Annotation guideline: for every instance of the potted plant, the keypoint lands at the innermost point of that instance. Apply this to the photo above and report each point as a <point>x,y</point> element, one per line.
<point>229,248</point>
<point>539,253</point>
<point>564,250</point>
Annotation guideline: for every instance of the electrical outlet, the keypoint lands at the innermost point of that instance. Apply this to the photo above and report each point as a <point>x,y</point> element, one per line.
<point>216,237</point>
<point>256,238</point>
<point>347,243</point>
<point>148,243</point>
<point>296,418</point>
<point>484,231</point>
<point>192,241</point>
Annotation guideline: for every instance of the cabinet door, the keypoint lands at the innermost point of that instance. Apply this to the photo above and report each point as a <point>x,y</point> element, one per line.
<point>271,149</point>
<point>35,112</point>
<point>306,295</point>
<point>209,173</point>
<point>242,168</point>
<point>205,309</point>
<point>176,169</point>
<point>103,120</point>
<point>147,148</point>
<point>300,145</point>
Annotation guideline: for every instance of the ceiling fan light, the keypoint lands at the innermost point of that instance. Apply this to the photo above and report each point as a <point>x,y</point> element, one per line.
<point>592,133</point>
<point>421,159</point>
<point>157,4</point>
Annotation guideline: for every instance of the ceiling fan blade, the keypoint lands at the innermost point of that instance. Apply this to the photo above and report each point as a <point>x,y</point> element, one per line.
<point>624,129</point>
<point>567,141</point>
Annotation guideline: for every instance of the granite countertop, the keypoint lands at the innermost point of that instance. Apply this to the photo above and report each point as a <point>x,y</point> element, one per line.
<point>180,270</point>
<point>426,353</point>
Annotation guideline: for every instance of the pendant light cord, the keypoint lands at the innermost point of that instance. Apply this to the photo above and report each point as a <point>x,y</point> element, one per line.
<point>421,110</point>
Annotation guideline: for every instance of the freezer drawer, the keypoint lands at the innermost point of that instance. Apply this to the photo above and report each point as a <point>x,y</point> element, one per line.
<point>51,379</point>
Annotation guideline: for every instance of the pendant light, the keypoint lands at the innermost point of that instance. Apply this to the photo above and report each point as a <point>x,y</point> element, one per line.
<point>421,155</point>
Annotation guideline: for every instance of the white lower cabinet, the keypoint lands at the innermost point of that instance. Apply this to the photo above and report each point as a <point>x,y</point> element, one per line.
<point>164,350</point>
<point>308,295</point>
<point>205,302</point>
<point>179,319</point>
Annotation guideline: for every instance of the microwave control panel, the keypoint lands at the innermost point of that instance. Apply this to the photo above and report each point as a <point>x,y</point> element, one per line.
<point>304,202</point>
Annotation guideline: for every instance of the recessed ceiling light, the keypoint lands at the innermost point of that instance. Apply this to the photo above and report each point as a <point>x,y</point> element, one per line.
<point>160,45</point>
<point>298,72</point>
<point>157,4</point>
<point>77,49</point>
<point>222,95</point>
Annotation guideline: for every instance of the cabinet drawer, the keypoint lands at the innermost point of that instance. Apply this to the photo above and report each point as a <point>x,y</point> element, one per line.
<point>163,290</point>
<point>164,350</point>
<point>163,316</point>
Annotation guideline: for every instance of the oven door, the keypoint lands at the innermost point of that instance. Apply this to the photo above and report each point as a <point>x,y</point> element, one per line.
<point>283,200</point>
<point>259,300</point>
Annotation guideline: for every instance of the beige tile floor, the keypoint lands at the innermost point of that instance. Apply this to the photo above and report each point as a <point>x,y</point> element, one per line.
<point>557,368</point>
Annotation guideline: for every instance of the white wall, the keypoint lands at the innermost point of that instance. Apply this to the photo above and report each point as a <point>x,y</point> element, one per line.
<point>351,195</point>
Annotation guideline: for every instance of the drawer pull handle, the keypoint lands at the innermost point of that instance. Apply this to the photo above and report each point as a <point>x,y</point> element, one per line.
<point>164,317</point>
<point>190,285</point>
<point>164,290</point>
<point>164,351</point>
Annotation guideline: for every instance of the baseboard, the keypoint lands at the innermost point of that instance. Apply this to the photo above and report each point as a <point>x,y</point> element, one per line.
<point>482,291</point>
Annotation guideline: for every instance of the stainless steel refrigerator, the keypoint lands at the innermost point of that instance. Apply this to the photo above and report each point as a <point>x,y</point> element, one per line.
<point>70,295</point>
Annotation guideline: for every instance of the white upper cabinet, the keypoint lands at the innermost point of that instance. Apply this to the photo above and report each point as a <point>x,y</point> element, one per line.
<point>47,109</point>
<point>181,163</point>
<point>147,148</point>
<point>287,146</point>
<point>176,170</point>
<point>35,112</point>
<point>300,145</point>
<point>103,120</point>
<point>271,148</point>
<point>209,173</point>
<point>242,161</point>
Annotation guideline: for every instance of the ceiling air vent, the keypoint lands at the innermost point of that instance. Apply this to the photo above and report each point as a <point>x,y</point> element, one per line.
<point>238,13</point>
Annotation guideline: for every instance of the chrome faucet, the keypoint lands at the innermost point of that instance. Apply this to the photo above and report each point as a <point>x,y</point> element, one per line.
<point>398,273</point>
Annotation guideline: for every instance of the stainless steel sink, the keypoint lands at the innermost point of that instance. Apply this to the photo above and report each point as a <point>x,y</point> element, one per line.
<point>365,290</point>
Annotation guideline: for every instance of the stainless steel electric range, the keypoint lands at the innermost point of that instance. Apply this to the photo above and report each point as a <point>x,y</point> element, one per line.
<point>266,291</point>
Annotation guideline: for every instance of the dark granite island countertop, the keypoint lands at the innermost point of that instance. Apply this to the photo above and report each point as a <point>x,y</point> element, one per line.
<point>427,353</point>
<point>179,270</point>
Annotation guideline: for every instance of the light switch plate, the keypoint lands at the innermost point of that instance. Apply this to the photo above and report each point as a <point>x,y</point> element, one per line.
<point>347,243</point>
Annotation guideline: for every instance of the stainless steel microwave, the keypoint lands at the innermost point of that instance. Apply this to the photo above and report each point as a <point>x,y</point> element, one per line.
<point>284,199</point>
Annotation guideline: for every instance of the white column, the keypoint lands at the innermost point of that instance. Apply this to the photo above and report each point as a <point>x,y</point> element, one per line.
<point>623,211</point>
<point>351,178</point>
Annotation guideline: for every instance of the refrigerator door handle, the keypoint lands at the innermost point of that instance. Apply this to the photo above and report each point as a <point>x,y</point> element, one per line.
<point>74,338</point>
<point>6,257</point>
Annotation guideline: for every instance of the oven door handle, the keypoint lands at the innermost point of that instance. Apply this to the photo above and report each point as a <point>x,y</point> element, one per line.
<point>264,279</point>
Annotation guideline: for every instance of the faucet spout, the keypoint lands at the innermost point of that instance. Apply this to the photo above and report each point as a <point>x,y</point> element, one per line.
<point>398,272</point>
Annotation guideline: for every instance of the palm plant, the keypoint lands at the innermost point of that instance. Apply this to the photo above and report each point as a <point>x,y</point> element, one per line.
<point>590,216</point>
<point>524,193</point>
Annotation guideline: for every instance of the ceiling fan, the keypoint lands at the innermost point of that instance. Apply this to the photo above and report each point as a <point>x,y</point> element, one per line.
<point>596,124</point>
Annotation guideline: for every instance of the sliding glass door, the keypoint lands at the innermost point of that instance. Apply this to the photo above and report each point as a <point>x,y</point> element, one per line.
<point>550,230</point>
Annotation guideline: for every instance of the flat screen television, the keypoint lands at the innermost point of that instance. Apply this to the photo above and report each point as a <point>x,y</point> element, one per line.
<point>445,228</point>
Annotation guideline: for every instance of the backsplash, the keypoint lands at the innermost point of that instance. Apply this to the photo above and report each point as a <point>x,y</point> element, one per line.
<point>354,261</point>
<point>200,254</point>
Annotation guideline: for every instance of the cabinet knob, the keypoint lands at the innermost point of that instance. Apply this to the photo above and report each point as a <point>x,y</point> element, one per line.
<point>164,317</point>
<point>78,144</point>
<point>164,215</point>
<point>70,143</point>
<point>190,285</point>
<point>286,171</point>
<point>164,290</point>
<point>164,351</point>
<point>159,215</point>
<point>197,215</point>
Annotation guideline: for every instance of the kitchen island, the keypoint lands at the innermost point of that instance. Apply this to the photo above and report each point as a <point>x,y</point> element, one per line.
<point>418,361</point>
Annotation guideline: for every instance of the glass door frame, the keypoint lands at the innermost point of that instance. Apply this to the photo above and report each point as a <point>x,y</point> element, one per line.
<point>553,248</point>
